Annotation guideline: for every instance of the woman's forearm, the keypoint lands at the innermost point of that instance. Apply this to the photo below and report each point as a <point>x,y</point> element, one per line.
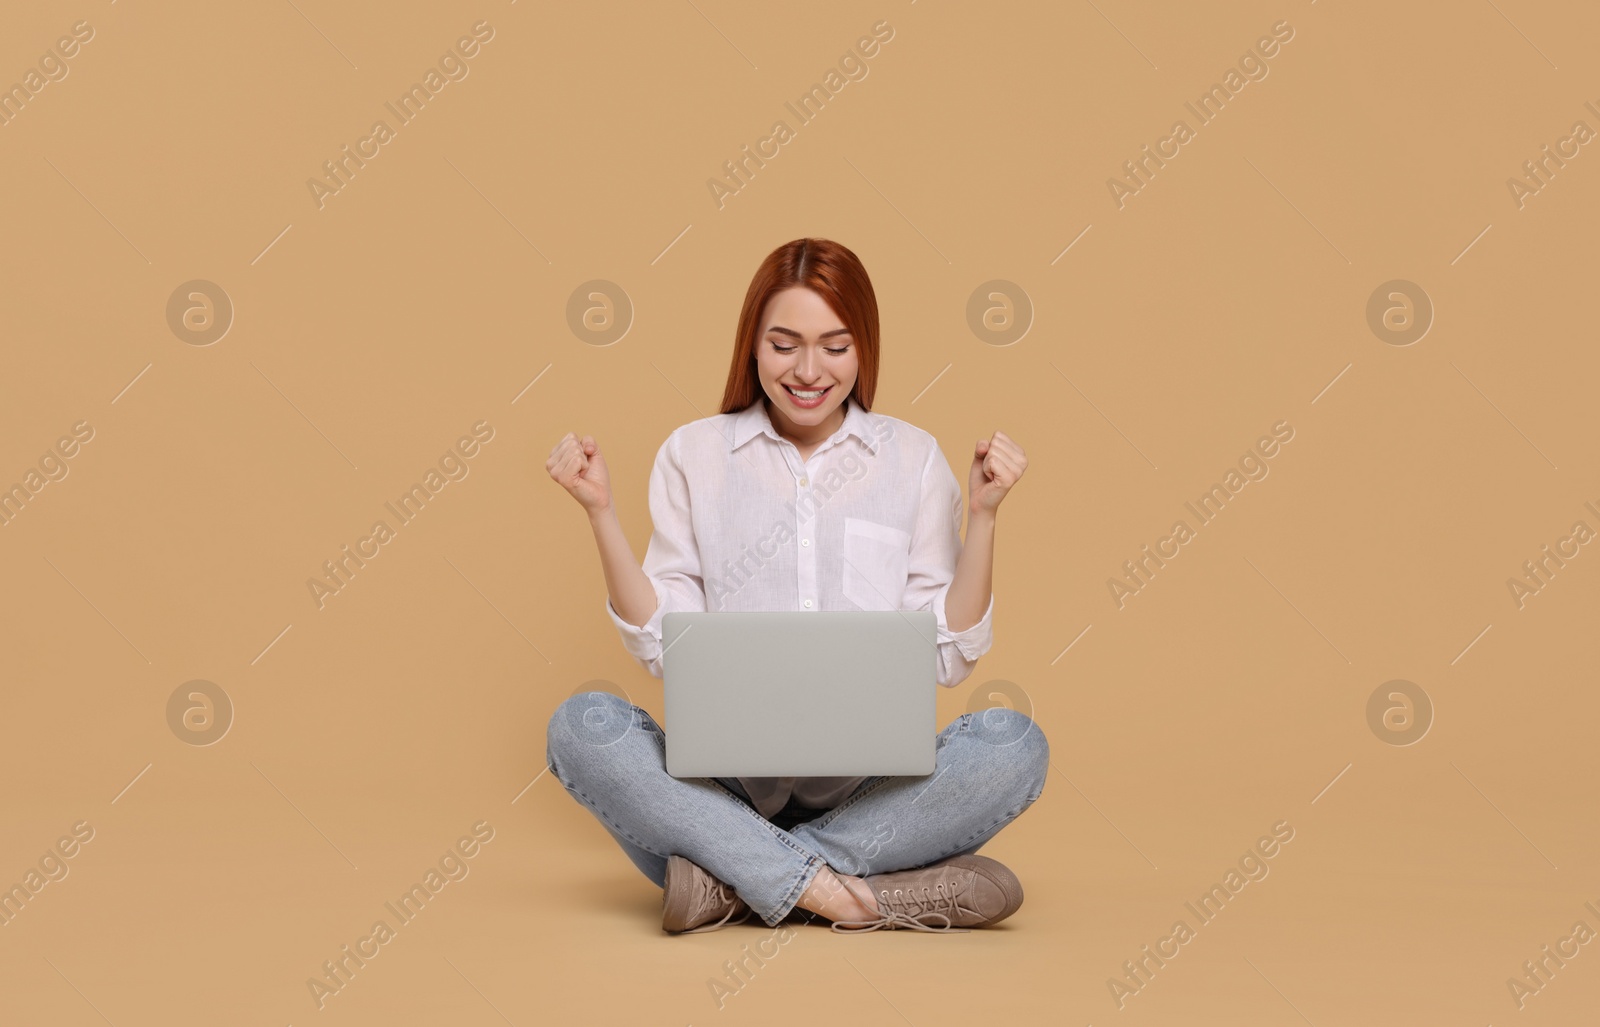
<point>973,584</point>
<point>632,594</point>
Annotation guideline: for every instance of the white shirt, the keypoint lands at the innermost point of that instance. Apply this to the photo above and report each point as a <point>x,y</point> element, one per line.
<point>872,521</point>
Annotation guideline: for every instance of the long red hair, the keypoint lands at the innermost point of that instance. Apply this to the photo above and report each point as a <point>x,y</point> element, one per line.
<point>834,273</point>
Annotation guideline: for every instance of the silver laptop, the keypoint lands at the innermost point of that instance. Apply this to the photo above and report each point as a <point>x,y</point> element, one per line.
<point>836,693</point>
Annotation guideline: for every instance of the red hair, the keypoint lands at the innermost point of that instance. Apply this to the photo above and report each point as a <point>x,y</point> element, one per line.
<point>834,273</point>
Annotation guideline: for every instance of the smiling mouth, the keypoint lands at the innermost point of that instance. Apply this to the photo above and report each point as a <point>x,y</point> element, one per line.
<point>807,395</point>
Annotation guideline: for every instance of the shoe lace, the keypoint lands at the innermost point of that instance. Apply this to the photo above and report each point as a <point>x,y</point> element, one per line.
<point>908,907</point>
<point>711,892</point>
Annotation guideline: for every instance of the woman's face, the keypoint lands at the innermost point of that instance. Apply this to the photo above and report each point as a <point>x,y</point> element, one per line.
<point>804,346</point>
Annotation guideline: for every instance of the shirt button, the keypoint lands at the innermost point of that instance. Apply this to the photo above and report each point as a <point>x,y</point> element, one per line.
<point>802,482</point>
<point>808,604</point>
<point>805,542</point>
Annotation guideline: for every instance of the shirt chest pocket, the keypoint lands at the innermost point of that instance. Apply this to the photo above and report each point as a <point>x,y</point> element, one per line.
<point>876,562</point>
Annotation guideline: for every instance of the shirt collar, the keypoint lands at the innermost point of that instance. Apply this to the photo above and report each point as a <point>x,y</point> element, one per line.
<point>754,420</point>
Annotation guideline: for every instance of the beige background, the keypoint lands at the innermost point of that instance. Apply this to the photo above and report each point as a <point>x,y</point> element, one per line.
<point>369,335</point>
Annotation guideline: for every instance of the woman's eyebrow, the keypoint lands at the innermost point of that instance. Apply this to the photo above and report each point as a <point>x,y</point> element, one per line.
<point>796,335</point>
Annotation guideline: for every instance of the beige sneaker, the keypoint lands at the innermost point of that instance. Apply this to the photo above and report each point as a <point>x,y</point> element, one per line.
<point>962,891</point>
<point>693,897</point>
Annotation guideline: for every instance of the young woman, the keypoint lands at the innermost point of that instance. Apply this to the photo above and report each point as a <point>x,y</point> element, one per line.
<point>796,497</point>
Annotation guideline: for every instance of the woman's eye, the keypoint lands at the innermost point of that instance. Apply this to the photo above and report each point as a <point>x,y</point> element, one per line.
<point>790,349</point>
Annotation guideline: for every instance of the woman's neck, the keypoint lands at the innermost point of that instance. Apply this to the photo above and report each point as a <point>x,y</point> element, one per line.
<point>805,437</point>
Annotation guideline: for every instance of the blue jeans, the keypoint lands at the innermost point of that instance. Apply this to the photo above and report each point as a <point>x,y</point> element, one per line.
<point>611,756</point>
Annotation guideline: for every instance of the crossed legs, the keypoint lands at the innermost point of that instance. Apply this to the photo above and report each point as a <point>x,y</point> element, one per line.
<point>610,756</point>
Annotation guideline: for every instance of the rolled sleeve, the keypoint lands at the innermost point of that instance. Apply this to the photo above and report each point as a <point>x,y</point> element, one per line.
<point>642,641</point>
<point>935,548</point>
<point>971,642</point>
<point>672,562</point>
